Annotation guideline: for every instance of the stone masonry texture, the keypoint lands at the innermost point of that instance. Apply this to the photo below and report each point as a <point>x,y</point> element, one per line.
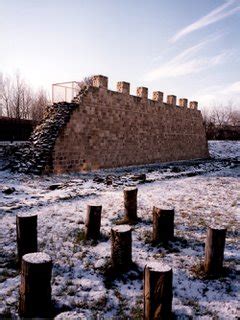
<point>112,129</point>
<point>101,128</point>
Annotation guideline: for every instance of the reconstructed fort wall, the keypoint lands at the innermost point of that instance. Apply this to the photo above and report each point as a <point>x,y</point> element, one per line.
<point>112,129</point>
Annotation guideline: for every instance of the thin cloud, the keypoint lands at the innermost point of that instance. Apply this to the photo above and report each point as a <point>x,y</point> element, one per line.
<point>187,63</point>
<point>220,94</point>
<point>177,68</point>
<point>232,88</point>
<point>227,9</point>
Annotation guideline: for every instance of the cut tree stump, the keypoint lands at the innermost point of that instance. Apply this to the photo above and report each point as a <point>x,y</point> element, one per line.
<point>157,291</point>
<point>35,286</point>
<point>214,250</point>
<point>93,222</point>
<point>26,226</point>
<point>121,254</point>
<point>130,204</point>
<point>163,225</point>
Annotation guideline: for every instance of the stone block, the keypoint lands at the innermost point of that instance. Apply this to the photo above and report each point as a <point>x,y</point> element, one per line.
<point>183,103</point>
<point>123,87</point>
<point>172,100</point>
<point>142,92</point>
<point>100,81</point>
<point>193,105</point>
<point>157,96</point>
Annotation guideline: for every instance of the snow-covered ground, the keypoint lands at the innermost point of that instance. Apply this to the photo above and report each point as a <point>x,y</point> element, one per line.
<point>200,191</point>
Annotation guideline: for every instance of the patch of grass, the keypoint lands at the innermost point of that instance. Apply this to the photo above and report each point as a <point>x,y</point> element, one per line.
<point>146,236</point>
<point>182,241</point>
<point>122,305</point>
<point>195,305</point>
<point>184,214</point>
<point>159,255</point>
<point>198,271</point>
<point>110,274</point>
<point>202,222</point>
<point>124,220</point>
<point>80,236</point>
<point>9,270</point>
<point>137,311</point>
<point>100,304</point>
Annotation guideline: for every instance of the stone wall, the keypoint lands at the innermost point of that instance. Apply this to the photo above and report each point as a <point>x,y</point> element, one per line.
<point>112,129</point>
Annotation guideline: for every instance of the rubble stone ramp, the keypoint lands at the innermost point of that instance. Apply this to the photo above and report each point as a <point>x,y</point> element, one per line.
<point>34,156</point>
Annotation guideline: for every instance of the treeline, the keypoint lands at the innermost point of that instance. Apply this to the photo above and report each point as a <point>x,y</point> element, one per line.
<point>222,122</point>
<point>18,99</point>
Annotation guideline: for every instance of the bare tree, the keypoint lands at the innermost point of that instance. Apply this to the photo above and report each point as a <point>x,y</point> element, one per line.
<point>5,95</point>
<point>205,114</point>
<point>87,81</point>
<point>222,122</point>
<point>235,118</point>
<point>39,105</point>
<point>221,115</point>
<point>18,99</point>
<point>21,98</point>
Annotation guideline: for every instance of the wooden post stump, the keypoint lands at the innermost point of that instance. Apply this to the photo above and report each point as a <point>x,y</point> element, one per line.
<point>214,250</point>
<point>26,226</point>
<point>35,286</point>
<point>163,225</point>
<point>157,291</point>
<point>93,222</point>
<point>121,254</point>
<point>130,204</point>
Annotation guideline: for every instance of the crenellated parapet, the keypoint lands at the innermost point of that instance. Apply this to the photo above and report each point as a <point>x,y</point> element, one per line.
<point>100,81</point>
<point>102,128</point>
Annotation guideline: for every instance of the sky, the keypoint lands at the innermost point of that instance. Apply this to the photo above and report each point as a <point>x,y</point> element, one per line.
<point>188,48</point>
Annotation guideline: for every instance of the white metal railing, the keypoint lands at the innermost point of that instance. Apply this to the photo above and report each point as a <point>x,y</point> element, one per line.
<point>64,91</point>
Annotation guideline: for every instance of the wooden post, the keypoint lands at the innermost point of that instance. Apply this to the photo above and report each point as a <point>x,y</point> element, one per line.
<point>214,250</point>
<point>163,225</point>
<point>130,204</point>
<point>121,247</point>
<point>35,286</point>
<point>93,222</point>
<point>157,291</point>
<point>26,226</point>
